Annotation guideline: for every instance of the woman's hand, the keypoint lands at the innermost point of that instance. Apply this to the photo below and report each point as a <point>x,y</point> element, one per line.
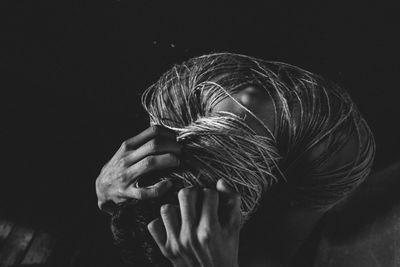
<point>152,150</point>
<point>200,235</point>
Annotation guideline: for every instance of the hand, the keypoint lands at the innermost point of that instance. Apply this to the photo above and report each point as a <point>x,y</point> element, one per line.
<point>191,237</point>
<point>152,150</point>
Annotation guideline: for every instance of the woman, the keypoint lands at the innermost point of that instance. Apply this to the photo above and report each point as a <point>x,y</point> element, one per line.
<point>316,149</point>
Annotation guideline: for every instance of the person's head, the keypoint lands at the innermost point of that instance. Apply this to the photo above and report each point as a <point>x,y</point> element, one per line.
<point>217,144</point>
<point>224,139</point>
<point>239,147</point>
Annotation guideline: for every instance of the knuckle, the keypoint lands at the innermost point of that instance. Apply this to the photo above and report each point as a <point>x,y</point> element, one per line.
<point>139,194</point>
<point>178,249</point>
<point>149,161</point>
<point>123,162</point>
<point>124,145</point>
<point>186,244</point>
<point>154,144</point>
<point>204,236</point>
<point>124,176</point>
<point>118,192</point>
<point>155,129</point>
<point>174,248</point>
<point>104,167</point>
<point>175,161</point>
<point>188,239</point>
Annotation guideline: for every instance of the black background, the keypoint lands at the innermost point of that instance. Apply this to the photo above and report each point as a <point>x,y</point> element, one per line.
<point>72,73</point>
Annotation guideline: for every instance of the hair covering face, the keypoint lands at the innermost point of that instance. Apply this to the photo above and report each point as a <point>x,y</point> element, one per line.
<point>308,111</point>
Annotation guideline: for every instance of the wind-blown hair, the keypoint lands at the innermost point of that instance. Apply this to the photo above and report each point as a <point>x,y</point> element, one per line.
<point>308,111</point>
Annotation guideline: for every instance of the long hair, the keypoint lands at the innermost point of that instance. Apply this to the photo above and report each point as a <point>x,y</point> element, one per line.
<point>308,111</point>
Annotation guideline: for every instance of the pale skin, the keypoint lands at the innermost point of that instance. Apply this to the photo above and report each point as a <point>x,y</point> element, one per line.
<point>155,149</point>
<point>185,235</point>
<point>192,236</point>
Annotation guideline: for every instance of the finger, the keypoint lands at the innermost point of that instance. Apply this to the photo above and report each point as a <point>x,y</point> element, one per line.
<point>209,211</point>
<point>153,191</point>
<point>188,206</point>
<point>158,232</point>
<point>187,202</point>
<point>231,204</point>
<point>154,146</point>
<point>150,164</point>
<point>170,217</point>
<point>120,152</point>
<point>148,134</point>
<point>223,187</point>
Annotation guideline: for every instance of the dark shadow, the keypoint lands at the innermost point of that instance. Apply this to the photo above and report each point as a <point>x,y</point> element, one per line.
<point>374,199</point>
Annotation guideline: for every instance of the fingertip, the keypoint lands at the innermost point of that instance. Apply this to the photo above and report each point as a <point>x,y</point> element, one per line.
<point>157,231</point>
<point>220,185</point>
<point>186,193</point>
<point>223,186</point>
<point>150,226</point>
<point>153,225</point>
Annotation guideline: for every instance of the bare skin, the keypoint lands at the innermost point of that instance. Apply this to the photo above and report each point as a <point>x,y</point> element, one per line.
<point>155,149</point>
<point>291,226</point>
<point>152,150</point>
<point>189,236</point>
<point>199,237</point>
